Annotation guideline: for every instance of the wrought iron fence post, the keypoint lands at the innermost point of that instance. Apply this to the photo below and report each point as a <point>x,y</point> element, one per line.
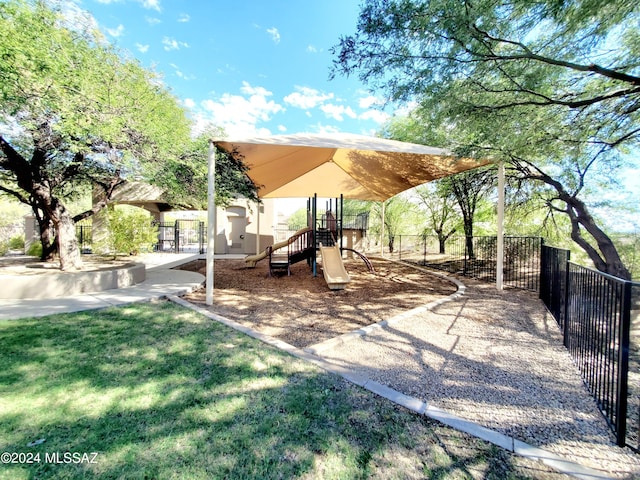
<point>201,236</point>
<point>424,250</point>
<point>543,275</point>
<point>623,365</point>
<point>176,237</point>
<point>565,310</point>
<point>464,261</point>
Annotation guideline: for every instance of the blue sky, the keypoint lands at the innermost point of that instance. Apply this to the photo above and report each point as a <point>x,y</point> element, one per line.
<point>254,67</point>
<point>250,66</point>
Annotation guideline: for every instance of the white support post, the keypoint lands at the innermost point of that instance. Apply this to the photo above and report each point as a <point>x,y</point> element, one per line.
<point>382,232</point>
<point>211,222</point>
<point>500,233</point>
<point>258,228</point>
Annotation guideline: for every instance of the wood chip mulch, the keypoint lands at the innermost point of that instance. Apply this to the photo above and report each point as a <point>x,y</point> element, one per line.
<point>301,310</point>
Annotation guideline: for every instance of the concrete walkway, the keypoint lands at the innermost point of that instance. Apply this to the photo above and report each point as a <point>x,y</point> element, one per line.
<point>161,281</point>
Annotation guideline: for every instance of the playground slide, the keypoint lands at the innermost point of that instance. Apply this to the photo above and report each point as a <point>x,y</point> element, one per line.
<point>333,268</point>
<point>251,260</point>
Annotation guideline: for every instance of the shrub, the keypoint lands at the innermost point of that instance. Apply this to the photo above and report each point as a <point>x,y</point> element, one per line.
<point>35,250</point>
<point>16,243</point>
<point>129,233</point>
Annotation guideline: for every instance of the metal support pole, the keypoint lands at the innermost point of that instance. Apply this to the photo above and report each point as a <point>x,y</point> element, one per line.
<point>341,232</point>
<point>314,211</point>
<point>211,222</point>
<point>382,232</point>
<point>258,229</point>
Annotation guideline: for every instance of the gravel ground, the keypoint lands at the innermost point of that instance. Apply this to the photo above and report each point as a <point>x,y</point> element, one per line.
<point>495,358</point>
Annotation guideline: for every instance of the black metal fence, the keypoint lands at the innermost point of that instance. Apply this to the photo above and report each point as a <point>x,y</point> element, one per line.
<point>85,239</point>
<point>178,236</point>
<point>181,236</point>
<point>554,272</point>
<point>597,335</point>
<point>593,310</point>
<point>475,257</point>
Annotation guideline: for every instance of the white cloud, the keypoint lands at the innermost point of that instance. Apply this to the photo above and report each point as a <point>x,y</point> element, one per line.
<point>152,20</point>
<point>180,74</point>
<point>368,101</point>
<point>305,97</point>
<point>148,4</point>
<point>173,44</point>
<point>184,18</point>
<point>312,49</point>
<point>116,32</point>
<point>282,128</point>
<point>142,48</point>
<point>377,116</point>
<point>76,18</point>
<point>338,112</point>
<point>184,76</point>
<point>240,115</point>
<point>151,4</point>
<point>275,34</point>
<point>319,128</point>
<point>189,103</point>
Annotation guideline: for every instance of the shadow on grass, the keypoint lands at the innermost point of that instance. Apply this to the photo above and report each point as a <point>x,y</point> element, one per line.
<point>158,391</point>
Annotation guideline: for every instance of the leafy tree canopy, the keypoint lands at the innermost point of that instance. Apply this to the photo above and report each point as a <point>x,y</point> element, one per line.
<point>580,54</point>
<point>75,114</point>
<point>551,86</point>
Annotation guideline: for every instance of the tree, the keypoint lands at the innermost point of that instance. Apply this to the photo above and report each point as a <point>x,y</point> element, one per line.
<point>298,219</point>
<point>469,188</point>
<point>400,216</point>
<point>74,115</point>
<point>442,215</point>
<point>550,87</point>
<point>466,189</point>
<point>184,178</point>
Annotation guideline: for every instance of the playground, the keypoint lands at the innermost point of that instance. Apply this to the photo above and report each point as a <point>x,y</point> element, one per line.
<point>301,310</point>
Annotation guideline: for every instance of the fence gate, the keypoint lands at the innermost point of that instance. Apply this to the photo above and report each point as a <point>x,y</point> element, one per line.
<point>181,236</point>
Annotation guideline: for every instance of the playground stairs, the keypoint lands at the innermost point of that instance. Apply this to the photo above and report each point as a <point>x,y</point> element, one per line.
<point>299,247</point>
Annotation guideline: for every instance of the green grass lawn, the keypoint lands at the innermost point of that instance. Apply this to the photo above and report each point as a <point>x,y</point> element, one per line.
<point>159,391</point>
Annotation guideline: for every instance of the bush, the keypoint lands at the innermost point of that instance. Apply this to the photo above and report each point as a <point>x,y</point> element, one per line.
<point>4,248</point>
<point>16,243</point>
<point>129,233</point>
<point>35,250</point>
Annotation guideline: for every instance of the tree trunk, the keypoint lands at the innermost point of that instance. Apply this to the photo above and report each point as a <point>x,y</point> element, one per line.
<point>49,246</point>
<point>54,216</point>
<point>442,239</point>
<point>441,243</point>
<point>68,248</point>
<point>605,258</point>
<point>468,235</point>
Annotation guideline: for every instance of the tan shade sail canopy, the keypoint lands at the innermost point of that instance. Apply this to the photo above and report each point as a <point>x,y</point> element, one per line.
<point>356,166</point>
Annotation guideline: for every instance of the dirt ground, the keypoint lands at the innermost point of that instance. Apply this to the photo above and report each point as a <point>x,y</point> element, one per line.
<point>301,310</point>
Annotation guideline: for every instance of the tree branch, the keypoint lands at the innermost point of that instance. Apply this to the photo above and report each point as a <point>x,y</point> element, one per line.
<point>21,198</point>
<point>530,55</point>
